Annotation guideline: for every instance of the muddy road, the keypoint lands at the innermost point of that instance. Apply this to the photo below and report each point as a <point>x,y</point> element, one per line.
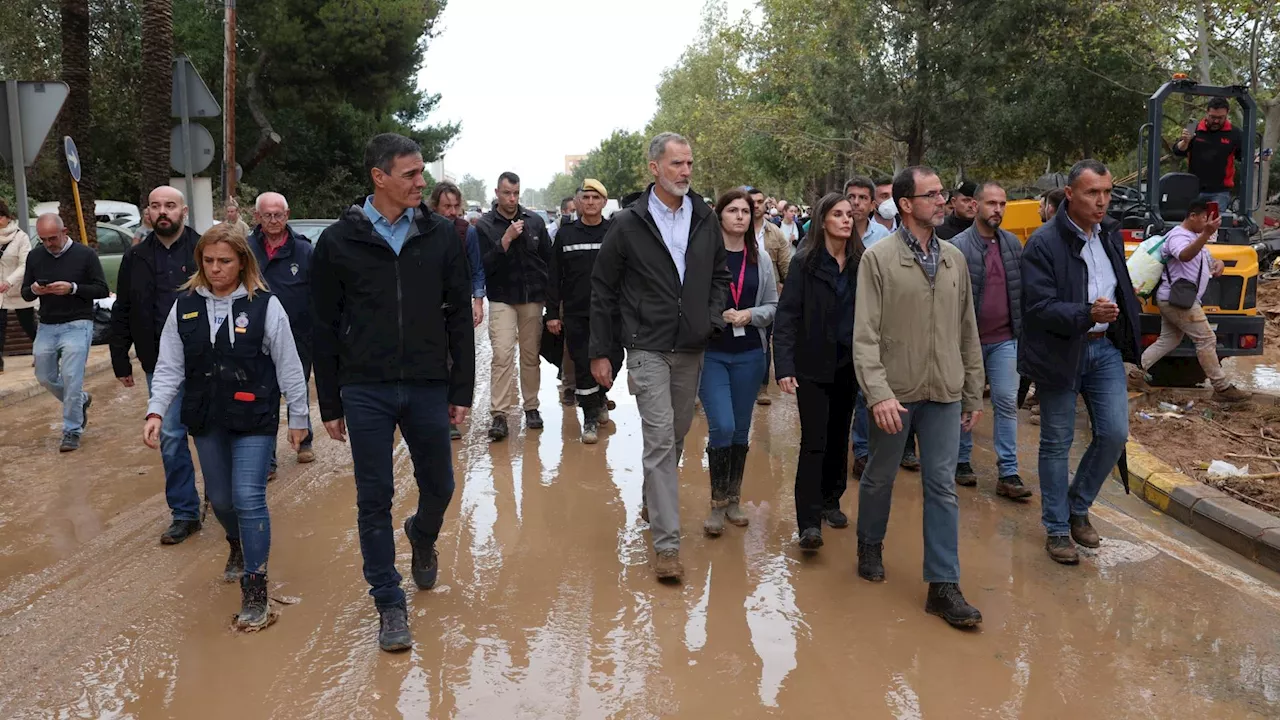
<point>546,607</point>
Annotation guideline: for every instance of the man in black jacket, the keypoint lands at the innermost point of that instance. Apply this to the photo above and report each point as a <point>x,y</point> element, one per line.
<point>394,347</point>
<point>147,286</point>
<point>516,250</point>
<point>964,208</point>
<point>284,259</point>
<point>663,268</point>
<point>1212,151</point>
<point>1079,327</point>
<point>67,277</point>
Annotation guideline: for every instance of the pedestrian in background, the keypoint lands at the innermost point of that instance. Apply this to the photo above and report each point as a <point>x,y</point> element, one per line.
<point>446,199</point>
<point>861,193</point>
<point>15,245</point>
<point>667,319</point>
<point>67,277</point>
<point>231,215</point>
<point>814,340</point>
<point>964,208</point>
<point>228,348</point>
<point>770,241</point>
<point>736,360</point>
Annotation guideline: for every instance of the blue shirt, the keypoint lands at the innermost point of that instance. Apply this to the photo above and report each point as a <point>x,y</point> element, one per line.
<point>1102,277</point>
<point>394,233</point>
<point>875,233</point>
<point>673,226</point>
<point>477,263</point>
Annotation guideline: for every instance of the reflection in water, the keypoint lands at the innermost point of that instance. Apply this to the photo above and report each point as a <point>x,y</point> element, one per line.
<point>623,452</point>
<point>903,701</point>
<point>478,511</point>
<point>695,630</point>
<point>1257,372</point>
<point>772,615</point>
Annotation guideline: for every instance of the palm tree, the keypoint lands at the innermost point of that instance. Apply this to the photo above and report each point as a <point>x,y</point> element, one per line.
<point>77,113</point>
<point>157,93</point>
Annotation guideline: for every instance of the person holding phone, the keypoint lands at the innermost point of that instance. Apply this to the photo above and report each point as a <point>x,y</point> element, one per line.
<point>1212,148</point>
<point>1188,268</point>
<point>227,346</point>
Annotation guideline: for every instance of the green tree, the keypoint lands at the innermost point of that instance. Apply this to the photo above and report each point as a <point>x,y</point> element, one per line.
<point>473,189</point>
<point>560,187</point>
<point>618,162</point>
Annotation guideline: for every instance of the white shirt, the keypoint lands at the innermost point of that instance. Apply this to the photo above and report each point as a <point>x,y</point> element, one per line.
<point>1102,277</point>
<point>790,232</point>
<point>674,228</point>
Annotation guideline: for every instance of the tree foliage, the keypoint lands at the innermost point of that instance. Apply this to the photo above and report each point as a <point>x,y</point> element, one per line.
<point>473,189</point>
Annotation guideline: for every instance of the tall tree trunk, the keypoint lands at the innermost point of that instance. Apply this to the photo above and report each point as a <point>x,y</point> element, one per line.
<point>157,94</point>
<point>1202,28</point>
<point>1270,139</point>
<point>75,117</point>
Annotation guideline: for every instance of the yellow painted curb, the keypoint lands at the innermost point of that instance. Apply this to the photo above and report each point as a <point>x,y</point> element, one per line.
<point>1152,478</point>
<point>1143,464</point>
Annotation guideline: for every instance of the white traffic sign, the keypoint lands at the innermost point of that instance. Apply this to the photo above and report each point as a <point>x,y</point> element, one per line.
<point>73,157</point>
<point>37,106</point>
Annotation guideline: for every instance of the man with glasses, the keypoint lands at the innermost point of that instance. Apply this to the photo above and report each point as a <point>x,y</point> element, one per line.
<point>67,277</point>
<point>1212,151</point>
<point>284,259</point>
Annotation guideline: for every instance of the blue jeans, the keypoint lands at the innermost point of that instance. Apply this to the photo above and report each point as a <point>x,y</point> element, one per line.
<point>1222,198</point>
<point>728,390</point>
<point>175,454</point>
<point>937,427</point>
<point>1106,396</point>
<point>1001,361</point>
<point>61,351</point>
<point>235,479</point>
<point>859,433</point>
<point>373,412</point>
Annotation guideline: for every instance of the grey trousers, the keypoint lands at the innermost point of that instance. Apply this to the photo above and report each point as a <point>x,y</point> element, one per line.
<point>665,385</point>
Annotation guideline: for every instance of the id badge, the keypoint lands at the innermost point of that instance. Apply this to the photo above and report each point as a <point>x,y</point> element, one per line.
<point>739,331</point>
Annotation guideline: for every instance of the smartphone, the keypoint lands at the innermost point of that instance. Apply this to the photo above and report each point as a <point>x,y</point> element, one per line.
<point>1212,207</point>
<point>45,283</point>
<point>1191,126</point>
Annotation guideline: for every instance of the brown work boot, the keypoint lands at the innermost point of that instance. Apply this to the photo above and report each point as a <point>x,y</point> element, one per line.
<point>1231,394</point>
<point>1138,380</point>
<point>1011,487</point>
<point>1083,533</point>
<point>762,397</point>
<point>667,566</point>
<point>1062,550</point>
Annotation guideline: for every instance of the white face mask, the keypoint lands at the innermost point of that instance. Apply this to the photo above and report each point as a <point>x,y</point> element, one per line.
<point>887,210</point>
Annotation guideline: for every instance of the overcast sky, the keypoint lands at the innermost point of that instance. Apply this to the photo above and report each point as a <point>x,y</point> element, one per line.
<point>534,80</point>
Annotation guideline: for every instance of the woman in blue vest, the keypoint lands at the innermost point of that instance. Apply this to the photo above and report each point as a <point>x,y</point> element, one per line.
<point>229,341</point>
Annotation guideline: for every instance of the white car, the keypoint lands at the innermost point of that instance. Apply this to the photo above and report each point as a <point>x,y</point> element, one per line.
<point>106,211</point>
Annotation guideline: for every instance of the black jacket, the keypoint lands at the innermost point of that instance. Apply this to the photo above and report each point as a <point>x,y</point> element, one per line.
<point>635,276</point>
<point>519,274</point>
<point>573,256</point>
<point>382,317</point>
<point>133,321</point>
<point>974,248</point>
<point>1055,304</point>
<point>952,226</point>
<point>1212,155</point>
<point>288,275</point>
<point>804,330</point>
<point>78,265</point>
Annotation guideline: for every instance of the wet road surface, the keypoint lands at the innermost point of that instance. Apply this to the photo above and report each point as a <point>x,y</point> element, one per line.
<point>547,608</point>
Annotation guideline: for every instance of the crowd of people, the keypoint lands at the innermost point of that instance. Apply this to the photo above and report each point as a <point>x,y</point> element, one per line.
<point>884,314</point>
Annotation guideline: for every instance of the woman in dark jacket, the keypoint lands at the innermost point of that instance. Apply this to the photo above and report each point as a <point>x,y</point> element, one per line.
<point>813,348</point>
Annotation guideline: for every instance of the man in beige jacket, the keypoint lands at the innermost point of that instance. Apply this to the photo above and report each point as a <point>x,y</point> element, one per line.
<point>919,362</point>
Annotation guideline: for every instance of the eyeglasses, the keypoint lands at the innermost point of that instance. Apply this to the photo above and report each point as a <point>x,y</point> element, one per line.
<point>935,196</point>
<point>272,216</point>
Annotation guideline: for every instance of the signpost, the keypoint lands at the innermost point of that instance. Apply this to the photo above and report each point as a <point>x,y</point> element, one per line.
<point>73,164</point>
<point>191,97</point>
<point>27,111</point>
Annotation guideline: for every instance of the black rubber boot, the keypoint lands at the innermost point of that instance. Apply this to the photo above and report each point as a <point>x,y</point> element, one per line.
<point>719,462</point>
<point>254,612</point>
<point>235,562</point>
<point>737,466</point>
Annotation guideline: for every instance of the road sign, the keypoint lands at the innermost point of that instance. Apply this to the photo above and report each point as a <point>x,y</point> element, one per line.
<point>37,105</point>
<point>200,102</point>
<point>73,157</point>
<point>201,148</point>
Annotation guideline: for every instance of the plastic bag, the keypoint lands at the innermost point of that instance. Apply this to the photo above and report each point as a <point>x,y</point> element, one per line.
<point>1146,265</point>
<point>1219,470</point>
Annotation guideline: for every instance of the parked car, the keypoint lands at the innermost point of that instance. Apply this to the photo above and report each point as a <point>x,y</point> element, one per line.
<point>106,211</point>
<point>311,227</point>
<point>113,241</point>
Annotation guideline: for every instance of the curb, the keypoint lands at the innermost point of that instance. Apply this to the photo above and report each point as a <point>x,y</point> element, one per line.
<point>32,389</point>
<point>1214,514</point>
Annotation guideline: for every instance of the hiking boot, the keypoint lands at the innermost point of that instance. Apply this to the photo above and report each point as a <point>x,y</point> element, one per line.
<point>70,442</point>
<point>1231,394</point>
<point>1011,486</point>
<point>762,397</point>
<point>306,455</point>
<point>569,397</point>
<point>454,432</point>
<point>393,629</point>
<point>426,564</point>
<point>498,430</point>
<point>667,566</point>
<point>254,612</point>
<point>178,531</point>
<point>1062,550</point>
<point>947,602</point>
<point>235,562</point>
<point>737,466</point>
<point>965,476</point>
<point>859,465</point>
<point>590,431</point>
<point>533,419</point>
<point>811,538</point>
<point>84,409</point>
<point>602,416</point>
<point>1137,380</point>
<point>871,561</point>
<point>835,518</point>
<point>1082,532</point>
<point>909,460</point>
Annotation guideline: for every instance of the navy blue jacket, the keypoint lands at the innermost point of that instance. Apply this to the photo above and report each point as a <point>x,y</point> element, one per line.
<point>1055,304</point>
<point>288,276</point>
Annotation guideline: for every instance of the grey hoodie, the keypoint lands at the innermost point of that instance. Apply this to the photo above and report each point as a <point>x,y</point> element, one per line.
<point>171,365</point>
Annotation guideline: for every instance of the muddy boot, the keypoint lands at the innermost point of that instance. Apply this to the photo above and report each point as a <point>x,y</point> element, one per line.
<point>533,419</point>
<point>454,432</point>
<point>667,566</point>
<point>178,531</point>
<point>498,431</point>
<point>235,562</point>
<point>393,629</point>
<point>569,397</point>
<point>762,397</point>
<point>1062,550</point>
<point>602,415</point>
<point>1083,533</point>
<point>253,601</point>
<point>425,565</point>
<point>1231,394</point>
<point>1011,487</point>
<point>965,476</point>
<point>909,459</point>
<point>719,463</point>
<point>811,538</point>
<point>859,464</point>
<point>871,561</point>
<point>737,466</point>
<point>947,602</point>
<point>590,430</point>
<point>1137,380</point>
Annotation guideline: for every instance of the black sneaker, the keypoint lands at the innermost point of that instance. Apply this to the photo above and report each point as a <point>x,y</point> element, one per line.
<point>84,409</point>
<point>835,518</point>
<point>70,442</point>
<point>235,562</point>
<point>498,430</point>
<point>947,602</point>
<point>533,419</point>
<point>909,460</point>
<point>965,476</point>
<point>393,629</point>
<point>178,531</point>
<point>254,612</point>
<point>1011,486</point>
<point>454,432</point>
<point>811,539</point>
<point>425,565</point>
<point>871,561</point>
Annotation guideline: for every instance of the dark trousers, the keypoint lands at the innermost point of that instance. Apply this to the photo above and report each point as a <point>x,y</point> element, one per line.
<point>826,410</point>
<point>26,317</point>
<point>373,412</point>
<point>577,338</point>
<point>304,355</point>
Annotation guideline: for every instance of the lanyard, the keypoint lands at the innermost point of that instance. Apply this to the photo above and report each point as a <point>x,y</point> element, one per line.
<point>736,290</point>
